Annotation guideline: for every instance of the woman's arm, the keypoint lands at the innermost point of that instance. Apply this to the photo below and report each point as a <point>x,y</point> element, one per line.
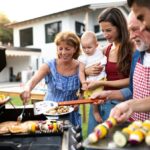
<point>114,84</point>
<point>37,77</point>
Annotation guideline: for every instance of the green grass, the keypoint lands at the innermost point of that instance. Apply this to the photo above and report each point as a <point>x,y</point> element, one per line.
<point>85,122</point>
<point>17,101</point>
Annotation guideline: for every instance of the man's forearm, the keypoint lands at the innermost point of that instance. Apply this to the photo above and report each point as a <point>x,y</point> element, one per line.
<point>140,105</point>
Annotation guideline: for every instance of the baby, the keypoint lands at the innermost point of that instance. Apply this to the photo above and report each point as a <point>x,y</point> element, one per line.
<point>92,55</point>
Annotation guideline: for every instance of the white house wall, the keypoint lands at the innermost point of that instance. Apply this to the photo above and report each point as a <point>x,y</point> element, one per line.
<point>68,19</point>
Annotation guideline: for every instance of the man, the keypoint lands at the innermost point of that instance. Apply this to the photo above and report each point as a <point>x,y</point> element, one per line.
<point>139,87</point>
<point>141,8</point>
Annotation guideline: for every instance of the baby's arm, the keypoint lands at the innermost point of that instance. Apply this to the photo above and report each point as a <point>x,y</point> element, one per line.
<point>82,75</point>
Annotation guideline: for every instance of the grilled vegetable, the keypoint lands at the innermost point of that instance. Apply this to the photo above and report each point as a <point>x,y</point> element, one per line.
<point>93,138</point>
<point>147,138</point>
<point>101,130</point>
<point>136,136</point>
<point>120,138</point>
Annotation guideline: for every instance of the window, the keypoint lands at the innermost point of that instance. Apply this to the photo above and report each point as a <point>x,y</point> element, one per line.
<point>51,30</point>
<point>99,33</point>
<point>26,37</point>
<point>79,28</point>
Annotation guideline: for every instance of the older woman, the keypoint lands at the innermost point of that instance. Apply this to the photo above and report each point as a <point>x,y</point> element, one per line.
<point>61,74</point>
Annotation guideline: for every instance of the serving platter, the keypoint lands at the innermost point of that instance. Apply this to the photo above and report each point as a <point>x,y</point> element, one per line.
<point>108,144</point>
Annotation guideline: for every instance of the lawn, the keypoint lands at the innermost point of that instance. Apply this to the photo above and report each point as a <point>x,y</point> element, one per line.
<point>83,109</point>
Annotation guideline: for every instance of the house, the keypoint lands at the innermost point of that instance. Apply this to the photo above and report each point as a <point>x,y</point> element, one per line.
<point>40,32</point>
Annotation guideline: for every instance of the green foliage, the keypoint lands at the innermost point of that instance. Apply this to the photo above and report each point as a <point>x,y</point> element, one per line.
<point>6,34</point>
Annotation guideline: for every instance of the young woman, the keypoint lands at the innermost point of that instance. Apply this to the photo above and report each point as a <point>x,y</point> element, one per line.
<point>118,53</point>
<point>61,74</point>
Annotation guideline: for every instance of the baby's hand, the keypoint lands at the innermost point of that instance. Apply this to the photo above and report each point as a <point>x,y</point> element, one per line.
<point>92,85</point>
<point>84,86</point>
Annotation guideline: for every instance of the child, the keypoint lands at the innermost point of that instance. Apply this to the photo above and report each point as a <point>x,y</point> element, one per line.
<point>92,55</point>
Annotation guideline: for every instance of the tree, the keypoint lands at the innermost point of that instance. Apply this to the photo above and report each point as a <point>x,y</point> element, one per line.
<point>6,34</point>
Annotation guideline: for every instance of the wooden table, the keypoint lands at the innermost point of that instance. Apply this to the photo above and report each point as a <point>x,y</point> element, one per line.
<point>15,91</point>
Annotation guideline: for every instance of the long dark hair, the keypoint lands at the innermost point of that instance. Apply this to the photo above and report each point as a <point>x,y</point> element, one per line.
<point>116,18</point>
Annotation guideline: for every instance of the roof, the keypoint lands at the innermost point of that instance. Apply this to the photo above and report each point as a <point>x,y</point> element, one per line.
<point>91,6</point>
<point>21,51</point>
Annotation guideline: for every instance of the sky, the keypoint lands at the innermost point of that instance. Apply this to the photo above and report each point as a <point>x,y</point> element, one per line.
<point>20,10</point>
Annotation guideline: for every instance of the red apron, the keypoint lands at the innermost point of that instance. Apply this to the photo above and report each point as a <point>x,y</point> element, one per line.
<point>141,88</point>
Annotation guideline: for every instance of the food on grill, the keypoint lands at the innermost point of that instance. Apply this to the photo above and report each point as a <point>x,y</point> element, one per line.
<point>46,126</point>
<point>51,126</point>
<point>15,127</point>
<point>4,126</point>
<point>101,130</point>
<point>58,110</point>
<point>25,127</point>
<point>134,133</point>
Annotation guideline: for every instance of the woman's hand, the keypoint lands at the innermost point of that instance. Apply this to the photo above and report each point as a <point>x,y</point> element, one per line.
<point>93,70</point>
<point>102,94</point>
<point>122,111</point>
<point>25,96</point>
<point>94,84</point>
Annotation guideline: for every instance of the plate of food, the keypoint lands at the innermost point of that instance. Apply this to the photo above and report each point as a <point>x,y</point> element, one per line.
<point>59,110</point>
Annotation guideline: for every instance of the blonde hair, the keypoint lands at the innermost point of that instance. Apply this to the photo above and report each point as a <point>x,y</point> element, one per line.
<point>89,34</point>
<point>71,39</point>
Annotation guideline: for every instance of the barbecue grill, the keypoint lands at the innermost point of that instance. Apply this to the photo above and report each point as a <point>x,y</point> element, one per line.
<point>69,139</point>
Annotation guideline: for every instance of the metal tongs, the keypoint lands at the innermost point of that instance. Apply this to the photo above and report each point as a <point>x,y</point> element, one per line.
<point>20,117</point>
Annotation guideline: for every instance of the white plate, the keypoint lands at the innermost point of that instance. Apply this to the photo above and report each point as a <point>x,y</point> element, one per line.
<point>59,114</point>
<point>43,106</point>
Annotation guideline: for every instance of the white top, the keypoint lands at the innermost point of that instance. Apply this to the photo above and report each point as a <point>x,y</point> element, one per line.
<point>146,61</point>
<point>97,57</point>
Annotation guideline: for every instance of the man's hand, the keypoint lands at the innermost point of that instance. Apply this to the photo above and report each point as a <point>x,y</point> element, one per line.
<point>122,111</point>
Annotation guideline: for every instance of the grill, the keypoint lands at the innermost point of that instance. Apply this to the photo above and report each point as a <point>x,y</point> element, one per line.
<point>69,139</point>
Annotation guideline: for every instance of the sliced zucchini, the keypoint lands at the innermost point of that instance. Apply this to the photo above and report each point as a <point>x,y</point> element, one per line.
<point>120,139</point>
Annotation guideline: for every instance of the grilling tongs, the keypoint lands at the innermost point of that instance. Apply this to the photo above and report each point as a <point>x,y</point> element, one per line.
<point>78,102</point>
<point>43,106</point>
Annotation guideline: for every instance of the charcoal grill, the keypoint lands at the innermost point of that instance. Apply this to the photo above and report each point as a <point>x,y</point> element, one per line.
<point>69,139</point>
